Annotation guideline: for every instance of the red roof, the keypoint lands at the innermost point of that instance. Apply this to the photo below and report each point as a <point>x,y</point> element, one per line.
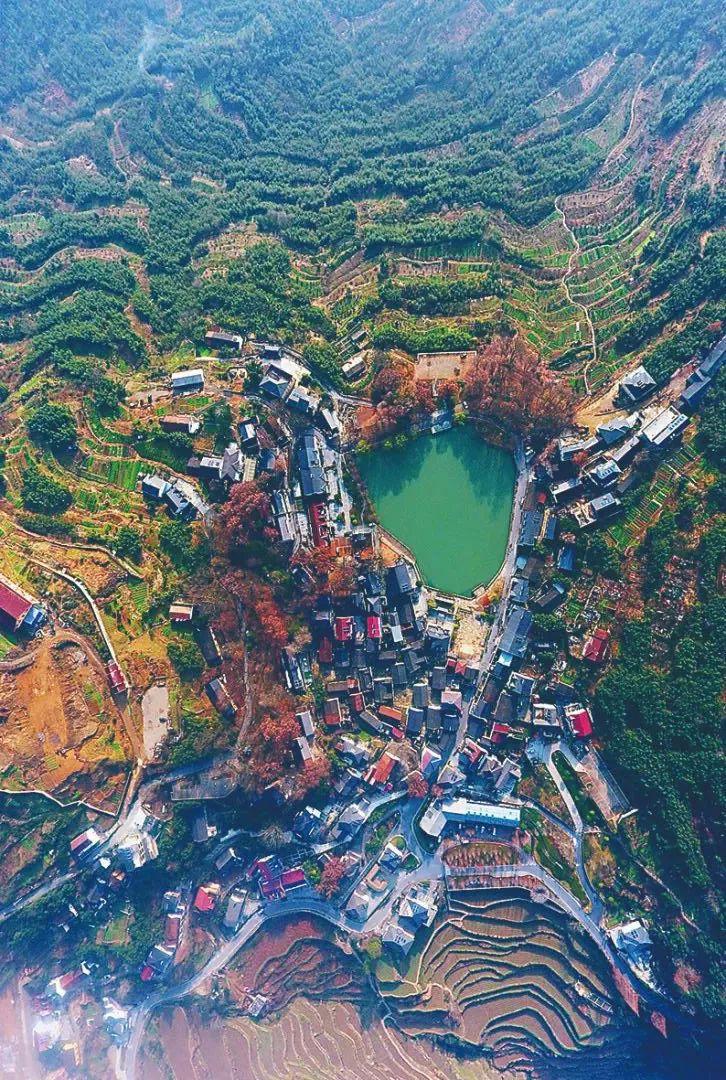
<point>381,771</point>
<point>374,628</point>
<point>331,712</point>
<point>499,732</point>
<point>325,651</point>
<point>116,676</point>
<point>343,629</point>
<point>203,901</point>
<point>387,712</point>
<point>581,723</point>
<point>597,647</point>
<point>357,702</point>
<point>318,524</point>
<point>12,604</point>
<point>397,733</point>
<point>146,973</point>
<point>172,928</point>
<point>290,878</point>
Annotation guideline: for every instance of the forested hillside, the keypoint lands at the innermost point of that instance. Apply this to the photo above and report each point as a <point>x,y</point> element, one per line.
<point>421,175</point>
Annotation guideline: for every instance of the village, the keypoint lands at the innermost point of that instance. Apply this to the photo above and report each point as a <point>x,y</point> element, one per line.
<point>434,706</point>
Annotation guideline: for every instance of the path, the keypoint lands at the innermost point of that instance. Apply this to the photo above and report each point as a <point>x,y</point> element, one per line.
<point>596,904</point>
<point>569,271</point>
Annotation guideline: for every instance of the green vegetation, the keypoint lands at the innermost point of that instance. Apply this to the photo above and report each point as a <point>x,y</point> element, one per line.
<point>52,425</point>
<point>42,494</point>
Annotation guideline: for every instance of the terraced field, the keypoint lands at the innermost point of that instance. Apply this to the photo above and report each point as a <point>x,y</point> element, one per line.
<point>325,1040</point>
<point>501,972</point>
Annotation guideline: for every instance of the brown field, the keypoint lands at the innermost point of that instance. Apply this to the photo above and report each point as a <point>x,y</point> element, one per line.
<point>444,365</point>
<point>60,725</point>
<point>323,1040</point>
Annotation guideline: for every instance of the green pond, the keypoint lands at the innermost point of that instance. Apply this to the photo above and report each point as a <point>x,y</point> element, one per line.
<point>448,498</point>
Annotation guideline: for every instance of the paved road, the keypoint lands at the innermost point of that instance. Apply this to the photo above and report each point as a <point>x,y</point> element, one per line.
<point>596,904</point>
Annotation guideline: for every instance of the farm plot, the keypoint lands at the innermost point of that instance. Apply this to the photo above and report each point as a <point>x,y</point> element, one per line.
<point>501,972</point>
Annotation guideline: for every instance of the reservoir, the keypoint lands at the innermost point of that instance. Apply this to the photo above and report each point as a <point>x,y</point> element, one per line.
<point>448,498</point>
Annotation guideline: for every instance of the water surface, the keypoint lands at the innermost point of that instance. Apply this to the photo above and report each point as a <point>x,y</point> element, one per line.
<point>448,498</point>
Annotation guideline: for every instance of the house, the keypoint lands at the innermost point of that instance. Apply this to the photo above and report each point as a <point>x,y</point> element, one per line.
<point>179,506</point>
<point>605,473</point>
<point>358,905</point>
<point>59,988</point>
<point>332,713</point>
<point>154,487</point>
<point>597,647</point>
<point>604,506</point>
<point>614,430</point>
<point>233,464</point>
<point>116,678</point>
<point>184,382</point>
<point>274,385</point>
<point>217,693</point>
<point>382,771</point>
<point>181,613</point>
<point>694,393</point>
<point>374,627</point>
<point>461,811</point>
<point>550,597</point>
<point>208,644</point>
<point>235,908</point>
<point>247,434</point>
<point>302,750</point>
<point>354,368</point>
<point>306,722</point>
<point>19,611</point>
<point>292,671</point>
<point>420,694</point>
<point>451,702</point>
<point>206,897</point>
<point>418,906</point>
<point>515,635</point>
<point>636,385</point>
<point>567,449</point>
<point>566,558</point>
<point>303,401</point>
<point>414,721</point>
<point>579,720</point>
<point>430,762</point>
<point>545,719</point>
<point>400,580</point>
<point>566,489</point>
<point>218,339</point>
<point>82,845</point>
<point>180,422</point>
<point>714,361</point>
<point>136,849</point>
<point>329,422</point>
<point>664,429</point>
<point>172,929</point>
<point>390,715</point>
<point>530,528</point>
<point>433,719</point>
<point>397,937</point>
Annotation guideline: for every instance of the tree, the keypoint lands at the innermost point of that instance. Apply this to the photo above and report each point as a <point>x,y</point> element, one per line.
<point>185,656</point>
<point>42,494</point>
<point>331,878</point>
<point>176,539</point>
<point>53,425</point>
<point>511,384</point>
<point>417,785</point>
<point>4,392</point>
<point>128,543</point>
<point>245,516</point>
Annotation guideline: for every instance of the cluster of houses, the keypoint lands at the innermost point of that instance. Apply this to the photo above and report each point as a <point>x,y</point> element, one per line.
<point>591,474</point>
